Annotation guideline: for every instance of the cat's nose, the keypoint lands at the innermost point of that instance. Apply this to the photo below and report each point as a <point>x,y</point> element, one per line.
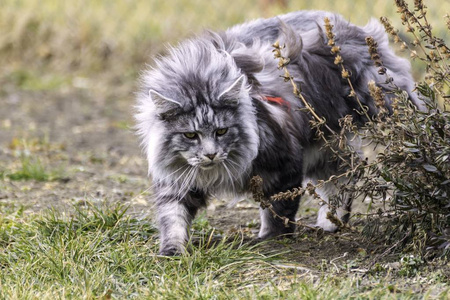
<point>211,156</point>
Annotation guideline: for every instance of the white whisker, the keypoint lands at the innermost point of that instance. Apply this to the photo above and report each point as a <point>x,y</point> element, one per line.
<point>238,170</point>
<point>230,176</point>
<point>170,175</point>
<point>169,188</point>
<point>186,184</point>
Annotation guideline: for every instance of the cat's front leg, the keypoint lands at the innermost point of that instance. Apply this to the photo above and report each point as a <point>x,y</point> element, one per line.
<point>273,220</point>
<point>174,219</point>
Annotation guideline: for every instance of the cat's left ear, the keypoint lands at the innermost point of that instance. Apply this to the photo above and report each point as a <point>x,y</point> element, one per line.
<point>235,92</point>
<point>162,103</point>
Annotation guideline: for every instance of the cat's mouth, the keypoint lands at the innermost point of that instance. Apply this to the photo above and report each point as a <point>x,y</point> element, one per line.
<point>208,166</point>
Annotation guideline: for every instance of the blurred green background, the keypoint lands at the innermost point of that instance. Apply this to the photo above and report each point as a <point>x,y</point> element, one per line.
<point>60,39</point>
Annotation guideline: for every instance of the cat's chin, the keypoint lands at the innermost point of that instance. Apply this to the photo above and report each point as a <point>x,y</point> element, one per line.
<point>208,167</point>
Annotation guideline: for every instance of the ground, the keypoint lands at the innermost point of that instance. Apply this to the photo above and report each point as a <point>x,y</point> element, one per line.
<point>84,146</point>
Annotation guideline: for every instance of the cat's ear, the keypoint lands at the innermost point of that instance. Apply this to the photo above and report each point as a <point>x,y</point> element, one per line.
<point>162,103</point>
<point>235,92</point>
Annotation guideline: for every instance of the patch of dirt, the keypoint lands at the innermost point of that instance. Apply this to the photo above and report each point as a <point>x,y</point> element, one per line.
<point>85,140</point>
<point>309,247</point>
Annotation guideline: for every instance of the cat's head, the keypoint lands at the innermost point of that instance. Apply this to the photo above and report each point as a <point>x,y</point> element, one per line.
<point>196,118</point>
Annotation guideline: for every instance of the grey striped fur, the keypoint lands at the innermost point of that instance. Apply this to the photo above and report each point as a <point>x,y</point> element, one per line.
<point>219,81</point>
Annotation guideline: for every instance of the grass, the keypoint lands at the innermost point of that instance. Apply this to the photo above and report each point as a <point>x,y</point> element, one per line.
<point>28,165</point>
<point>31,169</point>
<point>101,252</point>
<point>90,36</point>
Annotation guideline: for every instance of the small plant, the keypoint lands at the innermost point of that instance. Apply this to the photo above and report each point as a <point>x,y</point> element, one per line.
<point>201,223</point>
<point>31,170</point>
<point>31,167</point>
<point>409,265</point>
<point>410,173</point>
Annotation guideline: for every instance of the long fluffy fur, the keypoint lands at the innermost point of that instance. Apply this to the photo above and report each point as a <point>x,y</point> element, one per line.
<point>221,80</point>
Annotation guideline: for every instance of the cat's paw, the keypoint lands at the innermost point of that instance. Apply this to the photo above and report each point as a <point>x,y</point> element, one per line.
<point>169,251</point>
<point>341,218</point>
<point>326,225</point>
<point>270,234</point>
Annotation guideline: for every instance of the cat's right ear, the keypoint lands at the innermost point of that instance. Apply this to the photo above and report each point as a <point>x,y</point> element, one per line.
<point>235,92</point>
<point>162,103</point>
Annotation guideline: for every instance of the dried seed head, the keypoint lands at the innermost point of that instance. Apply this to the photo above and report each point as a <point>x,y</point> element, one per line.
<point>396,105</point>
<point>287,76</point>
<point>335,49</point>
<point>338,60</point>
<point>388,27</point>
<point>418,5</point>
<point>288,195</point>
<point>404,18</point>
<point>373,51</point>
<point>256,189</point>
<point>328,29</point>
<point>311,188</point>
<point>347,122</point>
<point>283,62</point>
<point>382,70</point>
<point>345,74</point>
<point>377,94</point>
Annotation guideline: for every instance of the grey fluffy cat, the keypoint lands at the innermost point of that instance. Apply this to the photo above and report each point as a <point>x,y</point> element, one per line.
<point>207,126</point>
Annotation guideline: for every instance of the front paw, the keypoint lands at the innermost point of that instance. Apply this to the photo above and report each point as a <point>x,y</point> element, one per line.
<point>275,232</point>
<point>170,251</point>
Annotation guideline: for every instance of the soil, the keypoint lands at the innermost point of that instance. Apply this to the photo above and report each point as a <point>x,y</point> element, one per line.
<point>81,133</point>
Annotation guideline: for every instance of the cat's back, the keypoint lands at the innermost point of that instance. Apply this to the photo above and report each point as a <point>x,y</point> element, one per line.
<point>270,29</point>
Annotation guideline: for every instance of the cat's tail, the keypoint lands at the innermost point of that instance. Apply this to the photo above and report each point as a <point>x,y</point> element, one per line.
<point>397,67</point>
<point>291,42</point>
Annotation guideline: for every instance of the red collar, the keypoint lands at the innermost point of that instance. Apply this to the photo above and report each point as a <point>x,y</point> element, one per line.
<point>279,101</point>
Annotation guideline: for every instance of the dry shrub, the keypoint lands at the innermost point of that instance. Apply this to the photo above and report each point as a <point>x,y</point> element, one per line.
<point>409,174</point>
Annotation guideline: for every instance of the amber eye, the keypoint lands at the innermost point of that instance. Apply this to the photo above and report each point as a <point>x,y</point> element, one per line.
<point>221,131</point>
<point>190,135</point>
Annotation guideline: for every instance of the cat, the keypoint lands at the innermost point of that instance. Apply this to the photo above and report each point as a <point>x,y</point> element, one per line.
<point>208,120</point>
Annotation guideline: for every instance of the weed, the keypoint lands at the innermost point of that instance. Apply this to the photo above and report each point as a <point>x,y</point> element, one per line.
<point>410,173</point>
<point>410,265</point>
<point>31,169</point>
<point>201,223</point>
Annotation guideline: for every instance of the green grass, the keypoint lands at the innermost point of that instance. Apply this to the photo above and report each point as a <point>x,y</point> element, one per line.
<point>27,80</point>
<point>90,36</point>
<point>31,169</point>
<point>103,252</point>
<point>32,160</point>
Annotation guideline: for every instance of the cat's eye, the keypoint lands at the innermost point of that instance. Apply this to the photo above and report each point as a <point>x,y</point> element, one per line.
<point>221,131</point>
<point>190,135</point>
